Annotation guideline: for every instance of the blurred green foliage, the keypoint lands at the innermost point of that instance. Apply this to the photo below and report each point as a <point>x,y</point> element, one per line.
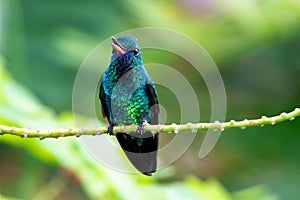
<point>255,44</point>
<point>49,167</point>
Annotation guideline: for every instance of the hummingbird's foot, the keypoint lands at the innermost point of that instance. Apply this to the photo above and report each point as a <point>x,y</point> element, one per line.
<point>110,128</point>
<point>140,128</point>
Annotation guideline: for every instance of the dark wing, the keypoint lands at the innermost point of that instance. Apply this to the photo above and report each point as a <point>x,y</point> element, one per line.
<point>102,97</point>
<point>153,100</point>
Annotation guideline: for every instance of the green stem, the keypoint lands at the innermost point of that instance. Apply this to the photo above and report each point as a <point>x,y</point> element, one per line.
<point>173,128</point>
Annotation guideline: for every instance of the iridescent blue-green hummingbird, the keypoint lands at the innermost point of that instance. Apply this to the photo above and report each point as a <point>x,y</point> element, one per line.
<point>128,96</point>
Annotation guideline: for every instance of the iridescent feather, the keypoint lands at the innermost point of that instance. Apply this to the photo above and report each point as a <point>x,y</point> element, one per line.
<point>128,96</point>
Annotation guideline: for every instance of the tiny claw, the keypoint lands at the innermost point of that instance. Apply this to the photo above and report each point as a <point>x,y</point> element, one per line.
<point>140,129</point>
<point>110,128</point>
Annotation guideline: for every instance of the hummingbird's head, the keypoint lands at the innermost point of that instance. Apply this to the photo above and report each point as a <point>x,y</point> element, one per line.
<point>124,44</point>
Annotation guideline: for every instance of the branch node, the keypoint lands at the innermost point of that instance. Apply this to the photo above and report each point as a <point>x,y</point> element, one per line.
<point>216,125</point>
<point>202,126</point>
<point>175,127</point>
<point>160,127</point>
<point>189,125</point>
<point>176,131</point>
<point>25,130</point>
<point>264,118</point>
<point>283,115</point>
<point>62,132</point>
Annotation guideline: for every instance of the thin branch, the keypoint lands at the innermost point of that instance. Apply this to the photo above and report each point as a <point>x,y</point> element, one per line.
<point>173,128</point>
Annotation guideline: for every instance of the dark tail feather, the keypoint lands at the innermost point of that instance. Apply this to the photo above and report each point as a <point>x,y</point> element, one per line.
<point>141,150</point>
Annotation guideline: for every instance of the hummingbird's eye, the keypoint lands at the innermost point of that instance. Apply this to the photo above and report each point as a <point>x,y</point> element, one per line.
<point>136,52</point>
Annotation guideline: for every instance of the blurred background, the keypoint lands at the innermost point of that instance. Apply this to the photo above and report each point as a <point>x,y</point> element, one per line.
<point>256,46</point>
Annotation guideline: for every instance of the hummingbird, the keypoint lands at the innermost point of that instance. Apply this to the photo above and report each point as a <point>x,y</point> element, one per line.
<point>128,96</point>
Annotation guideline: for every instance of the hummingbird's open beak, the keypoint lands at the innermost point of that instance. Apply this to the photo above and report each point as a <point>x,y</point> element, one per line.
<point>117,46</point>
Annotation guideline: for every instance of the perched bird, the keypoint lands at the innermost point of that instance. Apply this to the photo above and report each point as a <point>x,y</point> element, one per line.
<point>128,96</point>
